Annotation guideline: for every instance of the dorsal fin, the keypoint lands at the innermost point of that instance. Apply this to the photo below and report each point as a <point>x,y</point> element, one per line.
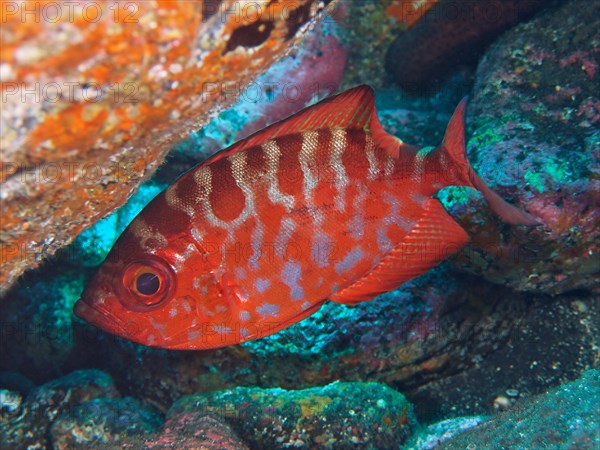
<point>390,143</point>
<point>350,109</point>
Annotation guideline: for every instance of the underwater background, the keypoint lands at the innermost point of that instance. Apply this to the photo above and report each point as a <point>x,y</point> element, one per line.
<point>105,104</point>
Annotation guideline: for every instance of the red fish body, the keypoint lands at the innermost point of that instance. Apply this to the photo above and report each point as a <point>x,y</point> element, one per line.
<point>322,205</point>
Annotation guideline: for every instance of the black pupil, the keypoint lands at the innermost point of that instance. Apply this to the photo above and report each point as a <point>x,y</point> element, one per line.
<point>147,283</point>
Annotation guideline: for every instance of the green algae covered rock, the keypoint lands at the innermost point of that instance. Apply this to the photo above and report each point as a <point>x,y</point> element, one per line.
<point>564,418</point>
<point>534,118</point>
<point>429,437</point>
<point>102,420</point>
<point>28,425</point>
<point>339,415</point>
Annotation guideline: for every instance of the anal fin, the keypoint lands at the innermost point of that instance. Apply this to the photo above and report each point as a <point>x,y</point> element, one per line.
<point>434,238</point>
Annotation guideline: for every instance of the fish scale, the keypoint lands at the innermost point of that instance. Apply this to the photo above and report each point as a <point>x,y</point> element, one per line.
<point>322,205</point>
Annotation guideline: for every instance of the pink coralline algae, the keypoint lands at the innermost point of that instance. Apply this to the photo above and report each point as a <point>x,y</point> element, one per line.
<point>584,60</point>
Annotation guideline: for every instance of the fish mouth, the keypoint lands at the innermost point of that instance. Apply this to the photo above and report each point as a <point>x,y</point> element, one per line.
<point>101,318</point>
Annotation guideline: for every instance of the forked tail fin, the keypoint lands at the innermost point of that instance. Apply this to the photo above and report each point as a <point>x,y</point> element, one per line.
<point>455,148</point>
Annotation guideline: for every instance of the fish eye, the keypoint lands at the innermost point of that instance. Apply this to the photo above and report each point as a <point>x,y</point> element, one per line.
<point>145,284</point>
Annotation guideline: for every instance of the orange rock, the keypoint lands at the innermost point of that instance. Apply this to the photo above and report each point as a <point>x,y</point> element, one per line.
<point>409,12</point>
<point>95,93</point>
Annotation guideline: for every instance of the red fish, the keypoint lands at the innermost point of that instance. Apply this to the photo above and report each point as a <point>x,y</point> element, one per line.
<point>322,205</point>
